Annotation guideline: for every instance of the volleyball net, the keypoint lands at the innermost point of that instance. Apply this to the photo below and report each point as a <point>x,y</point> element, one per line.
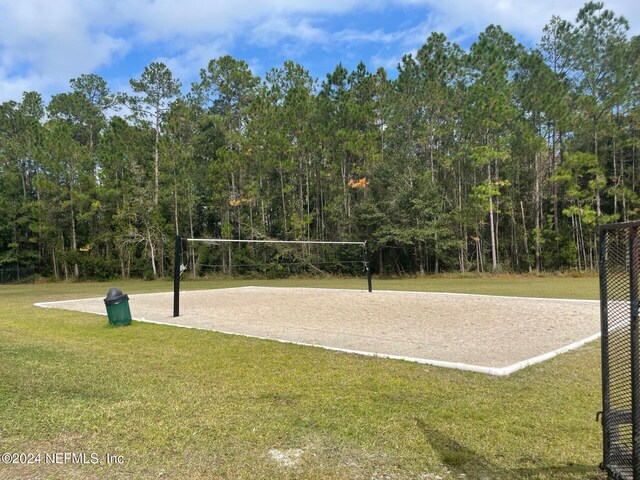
<point>268,258</point>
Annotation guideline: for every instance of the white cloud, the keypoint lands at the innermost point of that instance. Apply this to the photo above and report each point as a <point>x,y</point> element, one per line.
<point>463,20</point>
<point>162,19</point>
<point>187,64</point>
<point>522,18</point>
<point>389,62</point>
<point>273,30</point>
<point>11,88</point>
<point>364,36</point>
<point>43,43</point>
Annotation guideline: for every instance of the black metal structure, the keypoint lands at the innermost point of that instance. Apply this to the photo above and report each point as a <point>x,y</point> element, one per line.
<point>366,264</point>
<point>619,268</point>
<point>176,276</point>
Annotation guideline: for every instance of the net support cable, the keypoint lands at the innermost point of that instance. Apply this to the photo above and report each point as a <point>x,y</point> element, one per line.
<point>301,242</point>
<point>178,268</point>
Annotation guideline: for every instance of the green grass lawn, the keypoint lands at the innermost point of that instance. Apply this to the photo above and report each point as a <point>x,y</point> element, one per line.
<point>181,403</point>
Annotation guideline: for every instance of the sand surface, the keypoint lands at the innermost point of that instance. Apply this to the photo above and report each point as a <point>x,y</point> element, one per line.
<point>480,330</point>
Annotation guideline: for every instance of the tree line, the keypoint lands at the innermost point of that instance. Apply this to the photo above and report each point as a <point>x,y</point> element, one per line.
<point>494,158</point>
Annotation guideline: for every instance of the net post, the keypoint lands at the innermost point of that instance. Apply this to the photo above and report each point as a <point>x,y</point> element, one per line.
<point>366,264</point>
<point>176,276</point>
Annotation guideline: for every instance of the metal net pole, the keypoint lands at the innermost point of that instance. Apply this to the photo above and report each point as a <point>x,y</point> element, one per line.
<point>176,276</point>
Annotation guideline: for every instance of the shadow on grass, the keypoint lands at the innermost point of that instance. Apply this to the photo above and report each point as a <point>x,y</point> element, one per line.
<point>463,460</point>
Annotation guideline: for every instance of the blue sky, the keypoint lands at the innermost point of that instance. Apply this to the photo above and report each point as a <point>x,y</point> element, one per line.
<point>44,43</point>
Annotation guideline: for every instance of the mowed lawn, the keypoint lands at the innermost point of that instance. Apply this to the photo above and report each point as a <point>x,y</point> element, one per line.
<point>179,403</point>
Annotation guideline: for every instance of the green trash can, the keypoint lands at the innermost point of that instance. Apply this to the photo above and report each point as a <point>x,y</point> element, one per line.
<point>117,304</point>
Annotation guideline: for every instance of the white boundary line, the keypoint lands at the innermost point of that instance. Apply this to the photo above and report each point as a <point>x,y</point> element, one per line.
<point>47,304</point>
<point>495,371</point>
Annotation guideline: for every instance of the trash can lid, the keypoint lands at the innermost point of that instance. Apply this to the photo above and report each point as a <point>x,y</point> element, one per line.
<point>115,295</point>
<point>113,292</point>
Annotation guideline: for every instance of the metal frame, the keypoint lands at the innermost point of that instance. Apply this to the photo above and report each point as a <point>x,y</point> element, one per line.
<point>178,254</point>
<point>619,261</point>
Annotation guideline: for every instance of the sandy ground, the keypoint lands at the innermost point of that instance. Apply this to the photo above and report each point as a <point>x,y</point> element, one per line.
<point>479,330</point>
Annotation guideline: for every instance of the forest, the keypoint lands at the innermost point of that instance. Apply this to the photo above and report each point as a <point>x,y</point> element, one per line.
<point>495,158</point>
